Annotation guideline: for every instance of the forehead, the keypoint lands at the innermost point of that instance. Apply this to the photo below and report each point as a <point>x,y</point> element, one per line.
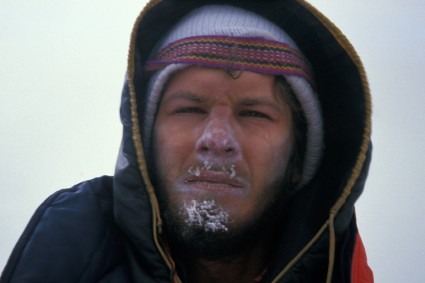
<point>217,82</point>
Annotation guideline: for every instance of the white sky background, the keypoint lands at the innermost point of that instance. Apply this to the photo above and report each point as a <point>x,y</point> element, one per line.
<point>62,66</point>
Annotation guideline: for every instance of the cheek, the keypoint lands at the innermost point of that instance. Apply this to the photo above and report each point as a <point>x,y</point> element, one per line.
<point>283,152</point>
<point>171,150</point>
<point>165,153</point>
<point>269,156</point>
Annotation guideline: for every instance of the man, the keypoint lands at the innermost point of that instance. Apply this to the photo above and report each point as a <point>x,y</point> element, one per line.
<point>246,143</point>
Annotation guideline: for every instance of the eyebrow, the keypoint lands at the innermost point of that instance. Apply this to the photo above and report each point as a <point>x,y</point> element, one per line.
<point>261,102</point>
<point>187,95</point>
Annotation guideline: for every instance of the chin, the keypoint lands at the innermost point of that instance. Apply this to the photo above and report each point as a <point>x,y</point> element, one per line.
<point>206,229</point>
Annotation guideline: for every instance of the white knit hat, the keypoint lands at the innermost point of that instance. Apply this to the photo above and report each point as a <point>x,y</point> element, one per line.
<point>222,21</point>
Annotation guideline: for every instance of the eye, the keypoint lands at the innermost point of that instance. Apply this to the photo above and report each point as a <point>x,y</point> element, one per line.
<point>188,110</point>
<point>254,114</point>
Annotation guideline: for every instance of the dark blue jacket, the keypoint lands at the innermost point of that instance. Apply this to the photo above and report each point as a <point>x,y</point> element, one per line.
<point>71,238</point>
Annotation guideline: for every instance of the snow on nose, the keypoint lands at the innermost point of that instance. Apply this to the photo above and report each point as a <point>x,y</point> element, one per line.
<point>218,140</point>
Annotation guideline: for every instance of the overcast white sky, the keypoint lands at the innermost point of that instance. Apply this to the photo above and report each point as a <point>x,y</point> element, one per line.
<point>62,65</point>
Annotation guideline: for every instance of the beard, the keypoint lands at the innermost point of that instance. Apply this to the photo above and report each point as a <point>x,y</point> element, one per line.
<point>202,229</point>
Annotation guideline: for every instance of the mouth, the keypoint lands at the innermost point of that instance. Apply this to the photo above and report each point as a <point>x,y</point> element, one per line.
<point>215,182</point>
<point>214,168</point>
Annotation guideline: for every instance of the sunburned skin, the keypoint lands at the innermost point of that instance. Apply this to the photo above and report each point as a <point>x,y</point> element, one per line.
<point>205,214</point>
<point>232,140</point>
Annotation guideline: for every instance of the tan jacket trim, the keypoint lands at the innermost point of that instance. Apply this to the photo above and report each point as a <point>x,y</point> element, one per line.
<point>137,139</point>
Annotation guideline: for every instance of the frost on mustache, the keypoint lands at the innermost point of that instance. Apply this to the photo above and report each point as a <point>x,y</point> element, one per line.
<point>231,171</point>
<point>205,214</point>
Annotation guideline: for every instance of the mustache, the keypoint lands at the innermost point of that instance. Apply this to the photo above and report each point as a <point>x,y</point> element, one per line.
<point>212,166</point>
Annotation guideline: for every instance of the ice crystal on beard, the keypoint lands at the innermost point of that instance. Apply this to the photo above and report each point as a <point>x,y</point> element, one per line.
<point>232,171</point>
<point>196,171</point>
<point>205,214</point>
<point>207,165</point>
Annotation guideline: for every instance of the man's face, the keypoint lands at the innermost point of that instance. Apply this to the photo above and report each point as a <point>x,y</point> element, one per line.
<point>222,147</point>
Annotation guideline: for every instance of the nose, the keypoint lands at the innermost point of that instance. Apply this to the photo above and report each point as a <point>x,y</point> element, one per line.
<point>218,139</point>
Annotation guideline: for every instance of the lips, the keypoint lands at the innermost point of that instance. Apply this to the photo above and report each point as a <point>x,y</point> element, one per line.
<point>216,182</point>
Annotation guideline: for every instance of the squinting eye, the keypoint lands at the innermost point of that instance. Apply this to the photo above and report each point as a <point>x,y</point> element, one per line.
<point>255,114</point>
<point>190,110</point>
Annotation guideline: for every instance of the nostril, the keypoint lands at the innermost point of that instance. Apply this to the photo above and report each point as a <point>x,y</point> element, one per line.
<point>228,149</point>
<point>204,148</point>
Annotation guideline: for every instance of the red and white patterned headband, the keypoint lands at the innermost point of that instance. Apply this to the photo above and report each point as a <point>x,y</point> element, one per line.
<point>234,53</point>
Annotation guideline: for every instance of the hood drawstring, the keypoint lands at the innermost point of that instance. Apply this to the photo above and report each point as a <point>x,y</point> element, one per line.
<point>332,244</point>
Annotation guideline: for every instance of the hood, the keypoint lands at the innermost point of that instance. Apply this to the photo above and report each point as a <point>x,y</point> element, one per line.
<point>323,211</point>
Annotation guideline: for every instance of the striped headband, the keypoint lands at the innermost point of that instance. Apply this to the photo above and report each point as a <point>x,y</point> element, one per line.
<point>234,53</point>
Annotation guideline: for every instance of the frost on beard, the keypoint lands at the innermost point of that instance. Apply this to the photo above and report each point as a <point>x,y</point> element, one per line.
<point>205,214</point>
<point>229,170</point>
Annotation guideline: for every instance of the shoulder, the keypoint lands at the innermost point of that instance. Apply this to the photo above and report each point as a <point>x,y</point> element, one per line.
<point>70,238</point>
